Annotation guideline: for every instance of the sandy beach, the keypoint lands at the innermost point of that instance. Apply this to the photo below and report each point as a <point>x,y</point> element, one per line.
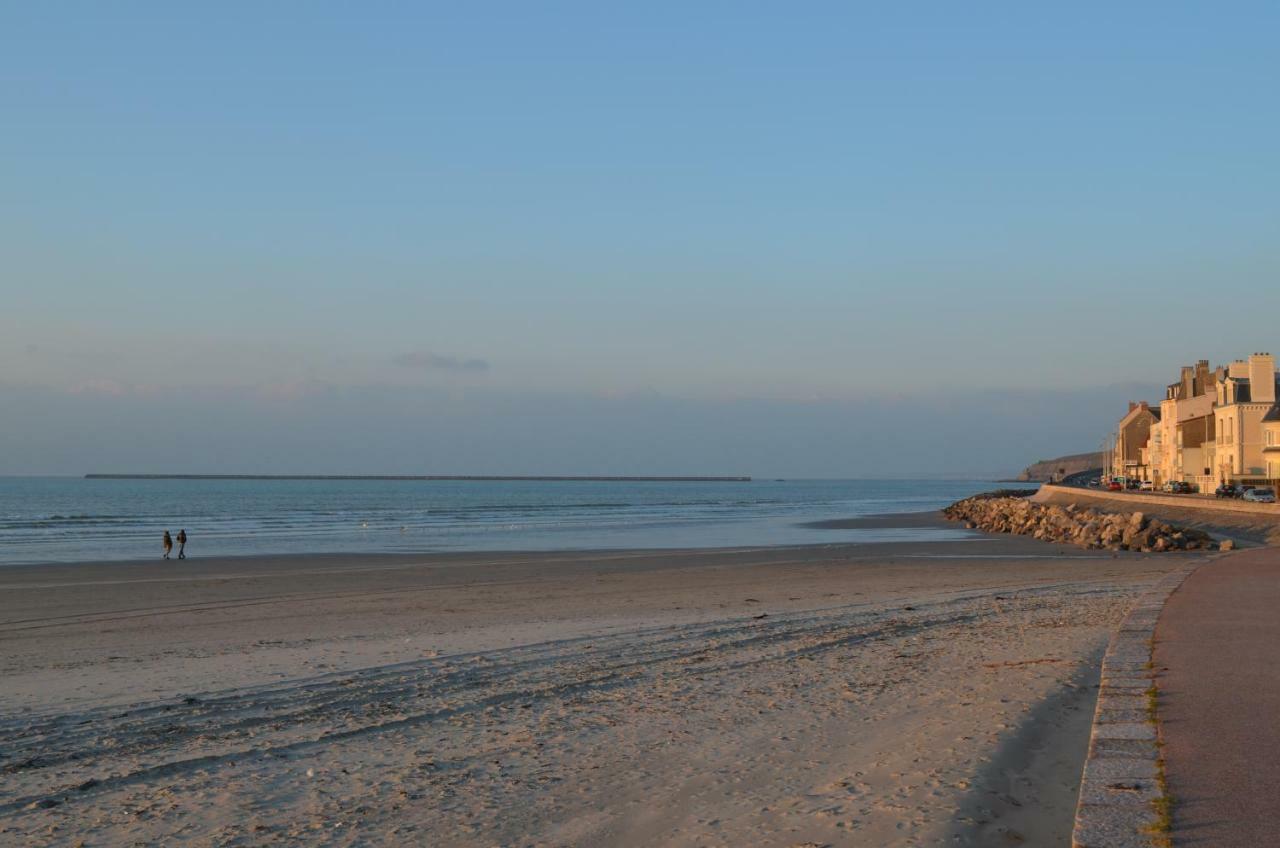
<point>890,694</point>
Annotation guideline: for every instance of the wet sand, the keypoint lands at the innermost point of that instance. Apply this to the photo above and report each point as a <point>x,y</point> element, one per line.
<point>893,520</point>
<point>887,694</point>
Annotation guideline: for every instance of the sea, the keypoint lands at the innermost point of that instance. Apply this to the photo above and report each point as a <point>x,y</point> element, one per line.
<point>63,519</point>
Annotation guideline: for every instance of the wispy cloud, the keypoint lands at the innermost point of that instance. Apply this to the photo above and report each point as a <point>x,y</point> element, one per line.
<point>113,388</point>
<point>292,390</point>
<point>439,362</point>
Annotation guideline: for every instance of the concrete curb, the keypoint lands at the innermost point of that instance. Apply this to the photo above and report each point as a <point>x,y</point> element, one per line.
<point>1120,772</point>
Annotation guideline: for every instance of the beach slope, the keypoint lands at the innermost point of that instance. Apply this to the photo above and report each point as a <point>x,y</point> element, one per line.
<point>894,694</point>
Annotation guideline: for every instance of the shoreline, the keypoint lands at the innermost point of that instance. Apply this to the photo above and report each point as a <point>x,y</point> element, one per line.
<point>928,519</point>
<point>894,520</point>
<point>75,521</point>
<point>977,545</point>
<point>923,520</point>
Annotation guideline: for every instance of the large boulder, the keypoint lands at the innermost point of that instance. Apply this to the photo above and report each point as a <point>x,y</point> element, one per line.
<point>1087,528</point>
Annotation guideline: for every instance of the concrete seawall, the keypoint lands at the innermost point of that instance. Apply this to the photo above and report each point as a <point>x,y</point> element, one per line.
<point>1181,501</point>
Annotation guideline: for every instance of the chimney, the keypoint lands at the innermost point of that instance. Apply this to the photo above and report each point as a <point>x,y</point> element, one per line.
<point>1262,378</point>
<point>1133,405</point>
<point>1202,379</point>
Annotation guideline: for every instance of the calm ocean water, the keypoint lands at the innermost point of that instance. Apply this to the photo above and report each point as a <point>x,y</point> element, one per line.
<point>68,520</point>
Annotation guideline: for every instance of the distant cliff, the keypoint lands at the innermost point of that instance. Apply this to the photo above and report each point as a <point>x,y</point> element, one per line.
<point>1039,472</point>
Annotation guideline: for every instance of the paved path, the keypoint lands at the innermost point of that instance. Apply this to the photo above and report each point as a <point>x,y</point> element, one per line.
<point>1219,639</point>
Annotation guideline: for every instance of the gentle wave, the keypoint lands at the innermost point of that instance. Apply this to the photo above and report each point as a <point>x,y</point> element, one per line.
<point>69,520</point>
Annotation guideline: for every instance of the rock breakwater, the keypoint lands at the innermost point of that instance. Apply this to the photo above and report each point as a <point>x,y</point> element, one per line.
<point>1087,528</point>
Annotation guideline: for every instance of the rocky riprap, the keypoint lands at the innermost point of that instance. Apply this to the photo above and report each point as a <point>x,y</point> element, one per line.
<point>1087,528</point>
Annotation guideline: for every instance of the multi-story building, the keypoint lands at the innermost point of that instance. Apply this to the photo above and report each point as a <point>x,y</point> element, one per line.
<point>1245,395</point>
<point>1186,423</point>
<point>1213,426</point>
<point>1196,453</point>
<point>1132,455</point>
<point>1271,442</point>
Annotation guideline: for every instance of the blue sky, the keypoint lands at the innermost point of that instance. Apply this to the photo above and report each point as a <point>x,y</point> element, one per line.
<point>503,210</point>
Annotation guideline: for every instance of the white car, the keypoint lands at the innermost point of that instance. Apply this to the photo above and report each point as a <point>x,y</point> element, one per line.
<point>1260,495</point>
<point>1146,486</point>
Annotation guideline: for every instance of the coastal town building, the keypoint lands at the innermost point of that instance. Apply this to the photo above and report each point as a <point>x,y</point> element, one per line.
<point>1132,454</point>
<point>1186,422</point>
<point>1214,426</point>
<point>1271,442</point>
<point>1246,394</point>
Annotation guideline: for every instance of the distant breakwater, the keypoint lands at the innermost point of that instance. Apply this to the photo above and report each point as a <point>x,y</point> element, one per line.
<point>478,477</point>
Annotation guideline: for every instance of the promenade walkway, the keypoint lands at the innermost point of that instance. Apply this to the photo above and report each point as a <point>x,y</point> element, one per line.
<point>1219,639</point>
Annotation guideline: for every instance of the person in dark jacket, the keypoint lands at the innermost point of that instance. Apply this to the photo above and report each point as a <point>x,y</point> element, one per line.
<point>182,544</point>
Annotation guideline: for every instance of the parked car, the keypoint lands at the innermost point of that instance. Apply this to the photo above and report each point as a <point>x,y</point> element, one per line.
<point>1182,487</point>
<point>1147,486</point>
<point>1226,490</point>
<point>1132,485</point>
<point>1260,495</point>
<point>1115,486</point>
<point>1169,487</point>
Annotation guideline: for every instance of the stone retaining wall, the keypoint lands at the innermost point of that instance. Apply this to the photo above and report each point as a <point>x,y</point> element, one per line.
<point>1184,501</point>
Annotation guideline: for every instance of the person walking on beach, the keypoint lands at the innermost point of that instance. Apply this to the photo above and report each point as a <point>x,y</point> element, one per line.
<point>168,544</point>
<point>182,544</point>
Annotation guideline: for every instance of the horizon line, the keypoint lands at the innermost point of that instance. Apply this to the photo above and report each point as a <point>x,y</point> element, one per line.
<point>476,477</point>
